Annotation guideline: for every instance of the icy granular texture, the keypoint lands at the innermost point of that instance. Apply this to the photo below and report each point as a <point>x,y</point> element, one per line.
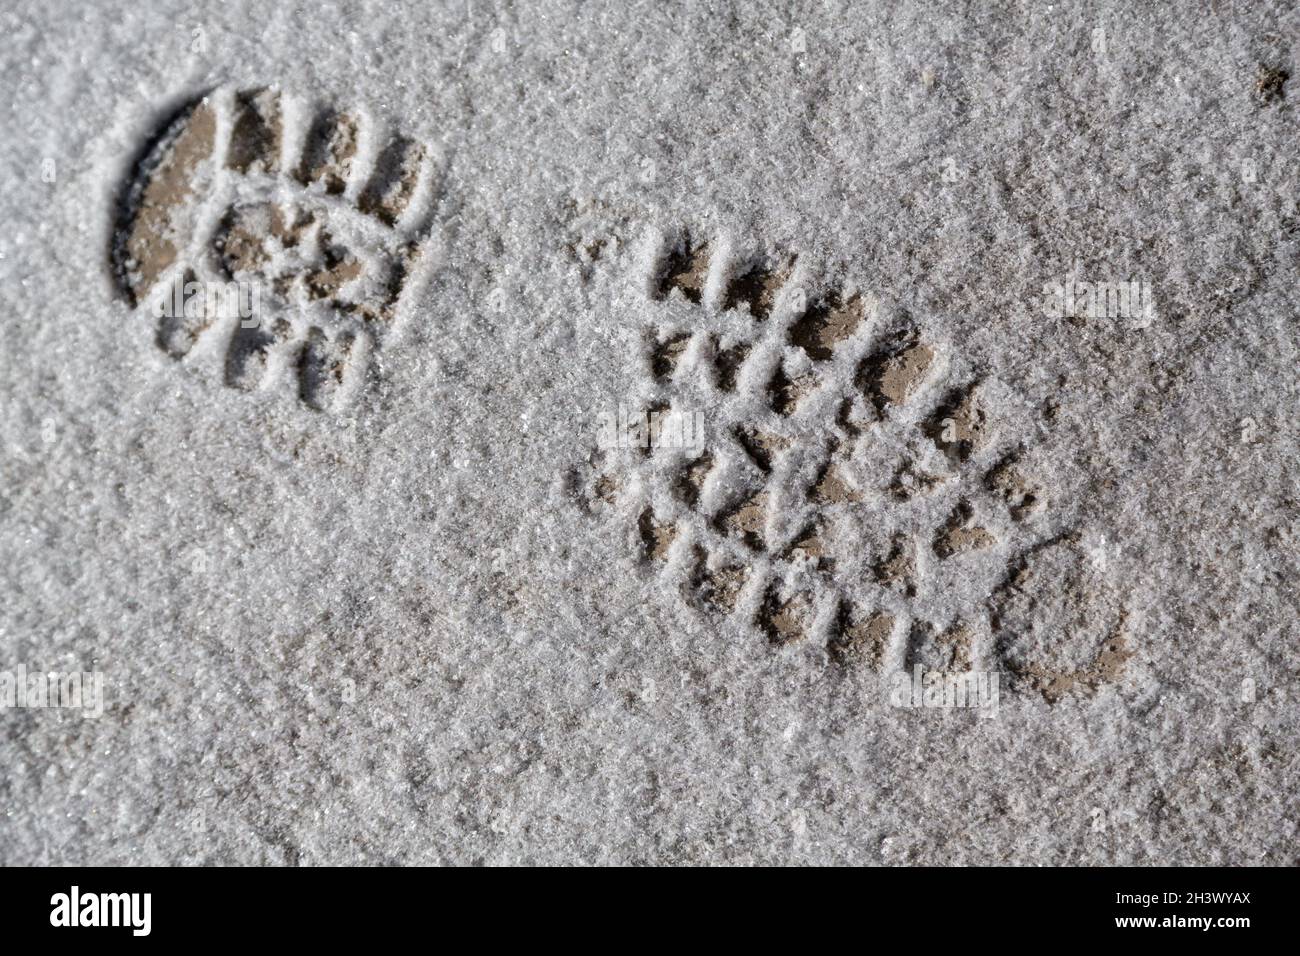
<point>435,622</point>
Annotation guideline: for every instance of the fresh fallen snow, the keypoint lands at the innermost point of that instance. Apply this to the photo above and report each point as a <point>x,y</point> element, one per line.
<point>402,633</point>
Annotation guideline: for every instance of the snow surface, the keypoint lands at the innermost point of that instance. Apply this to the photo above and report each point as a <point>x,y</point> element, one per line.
<point>398,634</point>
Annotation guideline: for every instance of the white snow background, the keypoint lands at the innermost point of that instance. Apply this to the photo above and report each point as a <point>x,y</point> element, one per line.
<point>392,636</point>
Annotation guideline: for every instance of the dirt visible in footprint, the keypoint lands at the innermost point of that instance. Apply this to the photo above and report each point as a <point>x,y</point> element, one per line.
<point>666,355</point>
<point>960,427</point>
<point>1022,496</point>
<point>656,538</point>
<point>728,363</point>
<point>605,489</point>
<point>785,621</point>
<point>788,392</point>
<point>831,488</point>
<point>747,520</point>
<point>861,638</point>
<point>960,535</point>
<point>309,253</point>
<point>339,269</point>
<point>911,481</point>
<point>897,570</point>
<point>718,588</point>
<point>256,136</point>
<point>327,154</point>
<point>177,332</point>
<point>1270,84</point>
<point>686,269</point>
<point>809,546</point>
<point>1106,669</point>
<point>894,379</point>
<point>1060,623</point>
<point>692,479</point>
<point>948,651</point>
<point>321,367</point>
<point>825,325</point>
<point>172,181</point>
<point>393,183</point>
<point>248,232</point>
<point>757,288</point>
<point>761,447</point>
